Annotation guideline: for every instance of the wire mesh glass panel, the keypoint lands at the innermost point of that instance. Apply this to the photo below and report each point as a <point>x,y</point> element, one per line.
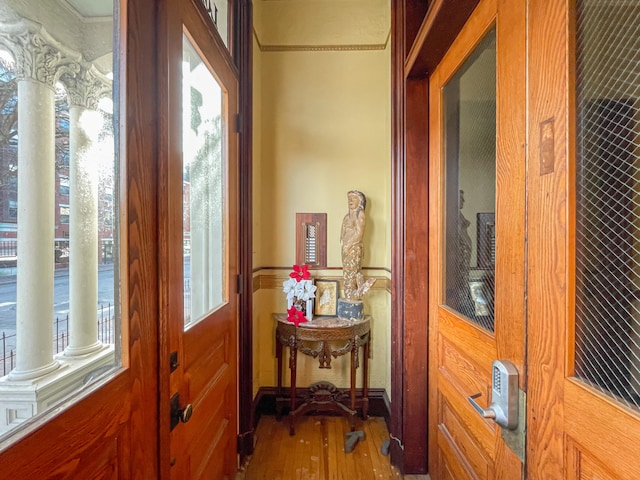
<point>608,198</point>
<point>469,100</point>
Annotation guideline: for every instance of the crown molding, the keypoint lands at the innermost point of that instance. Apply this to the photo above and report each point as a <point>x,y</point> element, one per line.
<point>321,48</point>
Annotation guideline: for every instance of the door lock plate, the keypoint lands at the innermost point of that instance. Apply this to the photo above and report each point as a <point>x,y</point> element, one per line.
<point>515,439</point>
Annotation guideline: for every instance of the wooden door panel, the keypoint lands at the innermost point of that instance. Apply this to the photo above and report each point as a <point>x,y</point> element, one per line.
<point>447,470</point>
<point>581,466</point>
<point>216,357</point>
<point>463,436</point>
<point>589,470</point>
<point>454,461</point>
<point>473,346</point>
<point>209,441</point>
<point>460,371</point>
<point>463,347</point>
<point>88,455</point>
<point>472,435</point>
<point>482,431</point>
<point>106,459</point>
<point>206,378</point>
<point>576,431</point>
<point>610,439</point>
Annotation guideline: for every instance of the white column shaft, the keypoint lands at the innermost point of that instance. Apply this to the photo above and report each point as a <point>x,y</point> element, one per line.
<point>35,267</point>
<point>83,236</point>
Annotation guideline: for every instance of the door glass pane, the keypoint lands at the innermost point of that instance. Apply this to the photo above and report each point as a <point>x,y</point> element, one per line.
<point>59,323</point>
<point>204,188</point>
<point>608,197</point>
<point>219,12</point>
<point>469,100</point>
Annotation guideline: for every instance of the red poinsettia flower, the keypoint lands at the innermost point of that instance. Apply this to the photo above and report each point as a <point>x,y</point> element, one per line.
<point>300,272</point>
<point>295,316</point>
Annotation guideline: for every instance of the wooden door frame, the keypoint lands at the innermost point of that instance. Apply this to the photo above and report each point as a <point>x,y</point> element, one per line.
<point>416,51</point>
<point>550,35</point>
<point>243,54</point>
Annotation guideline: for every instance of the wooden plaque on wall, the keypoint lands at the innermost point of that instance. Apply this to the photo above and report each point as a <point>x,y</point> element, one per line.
<point>311,239</point>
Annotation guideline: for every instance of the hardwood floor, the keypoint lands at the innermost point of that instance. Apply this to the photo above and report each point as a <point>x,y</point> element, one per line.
<point>316,451</point>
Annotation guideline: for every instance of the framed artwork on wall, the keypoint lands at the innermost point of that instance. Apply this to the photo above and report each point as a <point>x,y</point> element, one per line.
<point>326,304</point>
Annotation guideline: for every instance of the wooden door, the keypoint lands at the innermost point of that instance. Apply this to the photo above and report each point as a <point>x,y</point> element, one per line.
<point>110,431</point>
<point>199,260</point>
<point>584,409</point>
<point>477,199</point>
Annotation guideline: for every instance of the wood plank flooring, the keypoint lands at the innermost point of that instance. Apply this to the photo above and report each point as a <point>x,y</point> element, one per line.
<point>316,451</point>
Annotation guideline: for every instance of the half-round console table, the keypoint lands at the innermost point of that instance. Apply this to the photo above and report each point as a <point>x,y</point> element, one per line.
<point>324,338</point>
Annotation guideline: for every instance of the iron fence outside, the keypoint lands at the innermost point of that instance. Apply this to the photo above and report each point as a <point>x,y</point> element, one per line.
<point>106,328</point>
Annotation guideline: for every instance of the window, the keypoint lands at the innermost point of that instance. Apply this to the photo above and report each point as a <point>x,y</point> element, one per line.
<point>607,328</point>
<point>64,214</point>
<point>56,339</point>
<point>64,185</point>
<point>470,149</point>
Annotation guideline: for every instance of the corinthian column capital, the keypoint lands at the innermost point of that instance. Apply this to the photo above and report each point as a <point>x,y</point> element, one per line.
<point>86,87</point>
<point>38,56</point>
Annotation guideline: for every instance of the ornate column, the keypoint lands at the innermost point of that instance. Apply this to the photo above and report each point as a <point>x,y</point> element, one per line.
<point>39,63</point>
<point>84,90</point>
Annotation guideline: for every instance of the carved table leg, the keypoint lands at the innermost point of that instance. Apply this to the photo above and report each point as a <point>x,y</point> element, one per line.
<point>292,365</point>
<point>365,380</point>
<point>354,365</point>
<point>279,388</point>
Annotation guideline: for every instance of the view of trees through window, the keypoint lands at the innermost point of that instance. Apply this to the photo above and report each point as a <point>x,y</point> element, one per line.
<point>9,207</point>
<point>59,322</point>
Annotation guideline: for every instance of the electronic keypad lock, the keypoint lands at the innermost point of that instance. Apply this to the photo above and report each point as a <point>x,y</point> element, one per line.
<point>504,395</point>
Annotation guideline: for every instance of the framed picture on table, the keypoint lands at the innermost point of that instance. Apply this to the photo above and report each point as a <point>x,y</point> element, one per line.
<point>326,301</point>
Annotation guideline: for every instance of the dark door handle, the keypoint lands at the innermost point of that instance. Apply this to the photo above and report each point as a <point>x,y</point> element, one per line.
<point>178,413</point>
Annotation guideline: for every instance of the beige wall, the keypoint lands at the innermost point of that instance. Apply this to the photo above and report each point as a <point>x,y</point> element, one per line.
<point>321,128</point>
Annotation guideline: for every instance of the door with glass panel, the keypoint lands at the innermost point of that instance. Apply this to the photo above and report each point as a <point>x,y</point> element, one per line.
<point>200,256</point>
<point>78,255</point>
<point>583,272</point>
<point>476,171</point>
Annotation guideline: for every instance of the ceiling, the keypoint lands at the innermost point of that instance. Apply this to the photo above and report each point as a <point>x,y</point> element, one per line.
<point>92,8</point>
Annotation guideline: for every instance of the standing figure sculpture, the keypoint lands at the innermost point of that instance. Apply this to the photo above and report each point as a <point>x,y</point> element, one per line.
<point>351,239</point>
<point>355,286</point>
<point>463,256</point>
<point>464,243</point>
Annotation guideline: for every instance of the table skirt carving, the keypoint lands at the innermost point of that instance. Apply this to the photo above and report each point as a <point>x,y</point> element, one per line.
<point>324,338</point>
